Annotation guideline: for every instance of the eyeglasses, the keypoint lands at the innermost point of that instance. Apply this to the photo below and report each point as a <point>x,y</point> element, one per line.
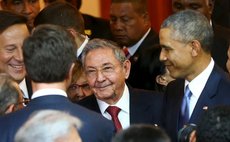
<point>106,70</point>
<point>77,86</point>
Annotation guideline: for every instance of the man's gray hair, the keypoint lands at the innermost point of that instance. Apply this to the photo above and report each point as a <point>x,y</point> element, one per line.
<point>190,25</point>
<point>103,44</point>
<point>47,126</point>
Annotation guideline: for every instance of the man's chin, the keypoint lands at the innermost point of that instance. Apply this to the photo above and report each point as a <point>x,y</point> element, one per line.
<point>18,78</point>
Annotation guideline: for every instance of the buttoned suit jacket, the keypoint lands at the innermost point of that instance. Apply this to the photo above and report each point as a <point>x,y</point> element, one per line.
<point>140,77</point>
<point>145,106</point>
<point>95,127</point>
<point>216,92</point>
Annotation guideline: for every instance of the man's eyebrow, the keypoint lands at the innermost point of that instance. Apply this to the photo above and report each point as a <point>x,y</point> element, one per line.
<point>165,46</point>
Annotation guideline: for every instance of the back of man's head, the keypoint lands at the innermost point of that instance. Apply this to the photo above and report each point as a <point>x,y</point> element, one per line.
<point>63,14</point>
<point>49,54</point>
<point>50,126</point>
<point>141,133</point>
<point>8,19</point>
<point>214,125</point>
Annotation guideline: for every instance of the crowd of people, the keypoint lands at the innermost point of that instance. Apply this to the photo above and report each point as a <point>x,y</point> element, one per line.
<point>66,76</point>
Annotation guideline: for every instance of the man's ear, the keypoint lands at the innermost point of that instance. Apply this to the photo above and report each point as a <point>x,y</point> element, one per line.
<point>161,79</point>
<point>9,109</point>
<point>196,47</point>
<point>127,67</point>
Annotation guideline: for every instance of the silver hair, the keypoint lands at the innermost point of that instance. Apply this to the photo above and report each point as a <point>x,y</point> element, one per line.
<point>9,94</point>
<point>190,25</point>
<point>47,126</point>
<point>103,43</point>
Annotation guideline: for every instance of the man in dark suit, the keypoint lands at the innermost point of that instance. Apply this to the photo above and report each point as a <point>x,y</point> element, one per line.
<point>131,27</point>
<point>186,38</point>
<point>220,44</point>
<point>106,69</point>
<point>49,60</point>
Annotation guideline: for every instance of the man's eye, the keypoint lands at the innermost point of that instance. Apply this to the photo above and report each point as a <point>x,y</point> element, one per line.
<point>178,6</point>
<point>16,2</point>
<point>33,1</point>
<point>108,69</point>
<point>195,6</point>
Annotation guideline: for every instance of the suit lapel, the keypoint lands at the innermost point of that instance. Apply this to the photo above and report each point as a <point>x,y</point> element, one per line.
<point>205,99</point>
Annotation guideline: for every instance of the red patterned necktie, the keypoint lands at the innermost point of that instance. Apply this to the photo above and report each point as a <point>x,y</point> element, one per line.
<point>126,51</point>
<point>113,111</point>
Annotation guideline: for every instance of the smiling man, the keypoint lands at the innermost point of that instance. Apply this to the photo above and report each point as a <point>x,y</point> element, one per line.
<point>186,38</point>
<point>13,31</point>
<point>106,70</point>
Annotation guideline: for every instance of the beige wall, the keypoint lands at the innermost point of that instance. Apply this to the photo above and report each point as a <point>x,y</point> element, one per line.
<point>91,7</point>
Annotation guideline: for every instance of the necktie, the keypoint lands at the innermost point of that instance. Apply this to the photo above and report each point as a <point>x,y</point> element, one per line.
<point>184,116</point>
<point>126,51</point>
<point>113,111</point>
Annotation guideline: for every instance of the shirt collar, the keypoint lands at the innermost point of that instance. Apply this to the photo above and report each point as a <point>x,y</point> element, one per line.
<point>134,48</point>
<point>23,87</point>
<point>123,103</point>
<point>47,92</point>
<point>197,84</point>
<point>80,49</point>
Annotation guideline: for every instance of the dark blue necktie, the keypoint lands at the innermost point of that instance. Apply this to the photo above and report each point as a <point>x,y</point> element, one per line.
<point>184,115</point>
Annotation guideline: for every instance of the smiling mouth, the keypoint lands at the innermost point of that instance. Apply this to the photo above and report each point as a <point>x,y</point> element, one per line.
<point>17,67</point>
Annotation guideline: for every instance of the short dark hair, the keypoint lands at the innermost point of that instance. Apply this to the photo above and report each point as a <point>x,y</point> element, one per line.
<point>141,133</point>
<point>8,18</point>
<point>63,14</point>
<point>214,125</point>
<point>141,5</point>
<point>48,53</point>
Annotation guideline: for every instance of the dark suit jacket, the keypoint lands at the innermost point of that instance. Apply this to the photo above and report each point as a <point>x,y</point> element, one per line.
<point>216,92</point>
<point>220,45</point>
<point>95,127</point>
<point>97,27</point>
<point>145,106</point>
<point>141,75</point>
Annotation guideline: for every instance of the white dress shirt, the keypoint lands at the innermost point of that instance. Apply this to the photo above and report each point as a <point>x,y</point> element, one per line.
<point>134,48</point>
<point>197,85</point>
<point>80,49</point>
<point>48,92</point>
<point>123,104</point>
<point>23,87</point>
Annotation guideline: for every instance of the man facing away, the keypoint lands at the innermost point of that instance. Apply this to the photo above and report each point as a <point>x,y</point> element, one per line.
<point>186,38</point>
<point>49,60</point>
